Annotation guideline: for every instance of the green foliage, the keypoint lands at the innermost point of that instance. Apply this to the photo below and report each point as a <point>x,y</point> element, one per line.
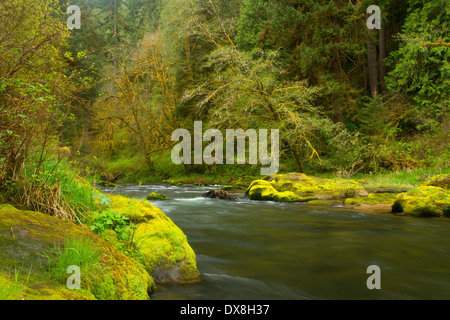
<point>322,42</point>
<point>164,166</point>
<point>103,200</point>
<point>110,219</point>
<point>252,20</point>
<point>421,66</point>
<point>142,68</point>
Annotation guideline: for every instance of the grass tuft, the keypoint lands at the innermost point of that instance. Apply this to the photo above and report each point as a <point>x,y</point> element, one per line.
<point>76,251</point>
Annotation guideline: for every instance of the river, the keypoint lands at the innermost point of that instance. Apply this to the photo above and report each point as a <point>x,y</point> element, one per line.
<point>265,250</point>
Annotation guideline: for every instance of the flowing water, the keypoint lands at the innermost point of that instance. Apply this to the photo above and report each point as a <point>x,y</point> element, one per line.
<point>265,250</point>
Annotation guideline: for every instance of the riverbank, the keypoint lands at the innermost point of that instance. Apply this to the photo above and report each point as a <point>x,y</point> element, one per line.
<point>430,198</point>
<point>239,178</point>
<point>137,247</point>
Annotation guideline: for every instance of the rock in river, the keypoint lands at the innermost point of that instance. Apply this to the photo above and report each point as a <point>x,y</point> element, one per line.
<point>298,187</point>
<point>219,194</point>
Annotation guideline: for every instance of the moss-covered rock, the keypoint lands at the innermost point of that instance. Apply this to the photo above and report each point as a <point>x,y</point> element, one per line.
<point>442,181</point>
<point>25,239</point>
<point>423,201</point>
<point>261,190</point>
<point>289,196</point>
<point>298,187</point>
<point>372,199</point>
<point>157,196</point>
<point>165,251</point>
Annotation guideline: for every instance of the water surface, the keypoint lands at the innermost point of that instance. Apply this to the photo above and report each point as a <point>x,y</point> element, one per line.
<point>265,250</point>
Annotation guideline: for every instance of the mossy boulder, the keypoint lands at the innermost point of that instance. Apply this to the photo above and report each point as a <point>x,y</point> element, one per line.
<point>298,187</point>
<point>442,181</point>
<point>261,190</point>
<point>25,239</point>
<point>163,247</point>
<point>373,198</point>
<point>156,196</point>
<point>289,196</point>
<point>423,201</point>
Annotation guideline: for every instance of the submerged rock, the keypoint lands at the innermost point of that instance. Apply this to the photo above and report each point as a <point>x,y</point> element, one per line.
<point>219,194</point>
<point>423,201</point>
<point>298,187</point>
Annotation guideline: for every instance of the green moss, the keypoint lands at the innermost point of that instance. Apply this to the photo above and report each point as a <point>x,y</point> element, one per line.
<point>372,199</point>
<point>261,190</point>
<point>163,247</point>
<point>442,181</point>
<point>300,187</point>
<point>286,196</point>
<point>423,201</point>
<point>156,196</point>
<point>111,237</point>
<point>116,276</point>
<point>137,211</point>
<point>289,196</point>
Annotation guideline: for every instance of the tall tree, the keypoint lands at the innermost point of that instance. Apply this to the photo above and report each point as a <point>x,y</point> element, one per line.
<point>421,69</point>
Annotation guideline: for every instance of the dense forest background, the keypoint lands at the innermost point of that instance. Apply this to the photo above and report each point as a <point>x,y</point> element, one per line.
<point>108,96</point>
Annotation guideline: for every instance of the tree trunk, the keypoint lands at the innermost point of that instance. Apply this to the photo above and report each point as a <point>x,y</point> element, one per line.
<point>372,60</point>
<point>297,159</point>
<point>115,35</point>
<point>382,47</point>
<point>372,64</point>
